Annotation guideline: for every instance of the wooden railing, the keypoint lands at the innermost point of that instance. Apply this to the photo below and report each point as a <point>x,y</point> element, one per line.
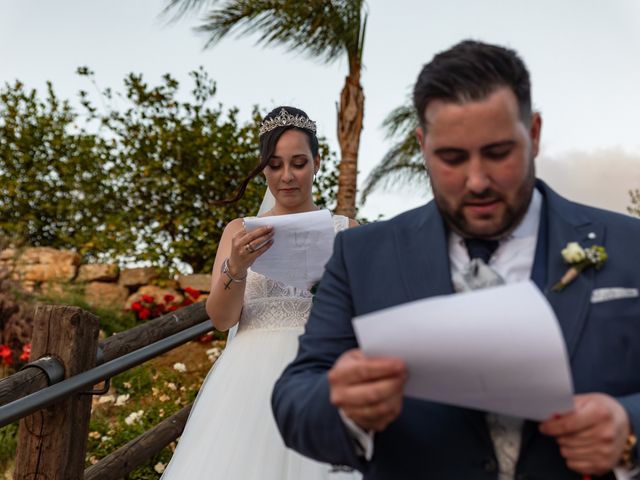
<point>51,396</point>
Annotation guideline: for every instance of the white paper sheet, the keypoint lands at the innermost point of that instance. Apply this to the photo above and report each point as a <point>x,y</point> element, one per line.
<point>498,349</point>
<point>302,244</point>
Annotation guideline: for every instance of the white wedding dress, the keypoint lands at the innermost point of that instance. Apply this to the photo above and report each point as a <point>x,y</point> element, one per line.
<point>231,433</point>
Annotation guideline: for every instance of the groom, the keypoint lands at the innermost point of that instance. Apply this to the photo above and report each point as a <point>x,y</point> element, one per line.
<point>479,137</point>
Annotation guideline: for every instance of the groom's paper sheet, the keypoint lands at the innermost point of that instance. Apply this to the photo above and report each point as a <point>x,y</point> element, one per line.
<point>498,349</point>
<point>302,244</point>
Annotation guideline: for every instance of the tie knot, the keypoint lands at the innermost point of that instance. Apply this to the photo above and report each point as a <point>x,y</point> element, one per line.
<point>479,248</point>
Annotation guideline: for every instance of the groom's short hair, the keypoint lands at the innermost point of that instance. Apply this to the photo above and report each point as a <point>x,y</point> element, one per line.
<point>471,71</point>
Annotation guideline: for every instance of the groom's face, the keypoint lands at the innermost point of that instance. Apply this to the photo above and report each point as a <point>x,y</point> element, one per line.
<point>479,156</point>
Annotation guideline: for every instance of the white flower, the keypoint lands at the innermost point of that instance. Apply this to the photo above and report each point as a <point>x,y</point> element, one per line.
<point>573,253</point>
<point>164,398</point>
<point>213,353</point>
<point>107,399</point>
<point>159,467</point>
<point>172,386</point>
<point>121,400</point>
<point>134,417</point>
<point>126,384</point>
<point>95,435</point>
<point>180,367</point>
<point>105,438</point>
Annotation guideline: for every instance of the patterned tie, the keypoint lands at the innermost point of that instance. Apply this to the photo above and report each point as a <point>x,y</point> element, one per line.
<point>505,431</point>
<point>478,274</point>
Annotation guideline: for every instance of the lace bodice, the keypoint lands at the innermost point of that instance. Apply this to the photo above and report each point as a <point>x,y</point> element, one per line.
<point>269,304</point>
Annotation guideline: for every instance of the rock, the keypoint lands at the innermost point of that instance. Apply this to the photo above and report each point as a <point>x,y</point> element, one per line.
<point>200,282</point>
<point>16,314</point>
<point>7,262</point>
<point>98,272</point>
<point>44,264</point>
<point>158,294</point>
<point>53,289</point>
<point>8,254</point>
<point>106,295</point>
<point>135,277</point>
<point>28,286</point>
<point>168,283</point>
<point>5,271</point>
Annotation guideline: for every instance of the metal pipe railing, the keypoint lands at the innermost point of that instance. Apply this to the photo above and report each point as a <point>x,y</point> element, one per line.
<point>78,383</point>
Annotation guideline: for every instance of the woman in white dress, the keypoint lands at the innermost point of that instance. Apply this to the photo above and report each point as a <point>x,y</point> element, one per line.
<point>231,434</point>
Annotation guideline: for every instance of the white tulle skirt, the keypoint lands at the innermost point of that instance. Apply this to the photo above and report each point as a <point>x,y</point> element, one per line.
<point>231,433</point>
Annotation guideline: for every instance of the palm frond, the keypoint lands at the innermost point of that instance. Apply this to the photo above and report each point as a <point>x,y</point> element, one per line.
<point>318,28</point>
<point>176,9</point>
<point>401,121</point>
<point>402,164</point>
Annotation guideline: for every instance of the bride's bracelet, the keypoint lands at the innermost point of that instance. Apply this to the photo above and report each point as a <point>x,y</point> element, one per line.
<point>225,270</point>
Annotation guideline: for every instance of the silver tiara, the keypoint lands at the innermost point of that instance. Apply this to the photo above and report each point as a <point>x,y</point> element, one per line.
<point>286,119</point>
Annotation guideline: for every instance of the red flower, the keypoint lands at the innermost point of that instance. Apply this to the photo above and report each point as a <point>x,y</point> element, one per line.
<point>168,298</point>
<point>5,354</point>
<point>206,338</point>
<point>192,292</point>
<point>148,298</point>
<point>172,308</point>
<point>136,306</point>
<point>144,313</point>
<point>187,301</point>
<point>26,351</point>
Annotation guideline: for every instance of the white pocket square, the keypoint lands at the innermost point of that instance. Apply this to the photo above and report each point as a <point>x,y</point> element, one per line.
<point>600,295</point>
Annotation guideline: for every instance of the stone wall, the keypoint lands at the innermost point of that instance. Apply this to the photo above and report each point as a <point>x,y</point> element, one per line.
<point>52,272</point>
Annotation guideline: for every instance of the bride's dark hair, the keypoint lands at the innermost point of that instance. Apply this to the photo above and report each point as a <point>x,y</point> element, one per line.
<point>268,142</point>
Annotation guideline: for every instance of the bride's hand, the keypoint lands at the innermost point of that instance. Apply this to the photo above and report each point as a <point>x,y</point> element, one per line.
<point>246,247</point>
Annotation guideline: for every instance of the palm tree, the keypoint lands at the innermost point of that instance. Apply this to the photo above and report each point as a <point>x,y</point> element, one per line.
<point>322,29</point>
<point>403,163</point>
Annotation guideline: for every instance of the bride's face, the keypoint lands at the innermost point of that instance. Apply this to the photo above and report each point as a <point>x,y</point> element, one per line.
<point>290,171</point>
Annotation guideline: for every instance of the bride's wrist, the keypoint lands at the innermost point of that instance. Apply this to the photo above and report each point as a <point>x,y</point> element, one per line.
<point>235,273</point>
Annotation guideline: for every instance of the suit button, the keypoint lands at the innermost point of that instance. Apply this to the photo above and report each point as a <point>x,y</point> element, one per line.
<point>490,465</point>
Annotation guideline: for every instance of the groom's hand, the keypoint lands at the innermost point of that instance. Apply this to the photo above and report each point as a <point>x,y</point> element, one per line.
<point>593,436</point>
<point>368,390</point>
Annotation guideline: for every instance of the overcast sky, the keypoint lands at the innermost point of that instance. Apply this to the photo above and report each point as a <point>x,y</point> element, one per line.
<point>584,58</point>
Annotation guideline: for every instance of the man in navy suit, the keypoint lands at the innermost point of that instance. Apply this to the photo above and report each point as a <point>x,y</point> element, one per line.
<point>479,137</point>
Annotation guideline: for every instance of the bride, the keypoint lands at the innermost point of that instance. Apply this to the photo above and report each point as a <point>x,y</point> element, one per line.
<point>231,433</point>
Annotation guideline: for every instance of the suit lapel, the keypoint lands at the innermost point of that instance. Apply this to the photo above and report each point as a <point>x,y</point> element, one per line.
<point>571,305</point>
<point>422,254</point>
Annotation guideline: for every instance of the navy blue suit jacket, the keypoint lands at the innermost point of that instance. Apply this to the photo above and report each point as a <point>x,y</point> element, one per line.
<point>406,258</point>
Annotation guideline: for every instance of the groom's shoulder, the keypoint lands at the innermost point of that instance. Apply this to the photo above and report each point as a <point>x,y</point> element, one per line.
<point>382,229</point>
<point>579,212</point>
<point>613,221</point>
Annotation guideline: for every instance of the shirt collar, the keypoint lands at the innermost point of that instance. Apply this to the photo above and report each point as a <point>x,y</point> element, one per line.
<point>529,225</point>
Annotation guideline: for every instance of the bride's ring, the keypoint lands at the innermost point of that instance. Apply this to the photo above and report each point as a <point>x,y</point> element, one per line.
<point>249,248</point>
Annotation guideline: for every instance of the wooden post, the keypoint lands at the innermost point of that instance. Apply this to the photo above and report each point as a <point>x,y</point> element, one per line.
<point>52,442</point>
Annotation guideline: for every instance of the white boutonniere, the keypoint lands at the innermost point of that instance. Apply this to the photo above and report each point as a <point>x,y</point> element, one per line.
<point>580,258</point>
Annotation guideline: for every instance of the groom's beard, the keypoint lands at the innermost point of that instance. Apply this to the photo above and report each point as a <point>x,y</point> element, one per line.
<point>510,217</point>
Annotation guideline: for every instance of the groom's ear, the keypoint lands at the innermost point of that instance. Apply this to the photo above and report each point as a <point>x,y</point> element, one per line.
<point>420,137</point>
